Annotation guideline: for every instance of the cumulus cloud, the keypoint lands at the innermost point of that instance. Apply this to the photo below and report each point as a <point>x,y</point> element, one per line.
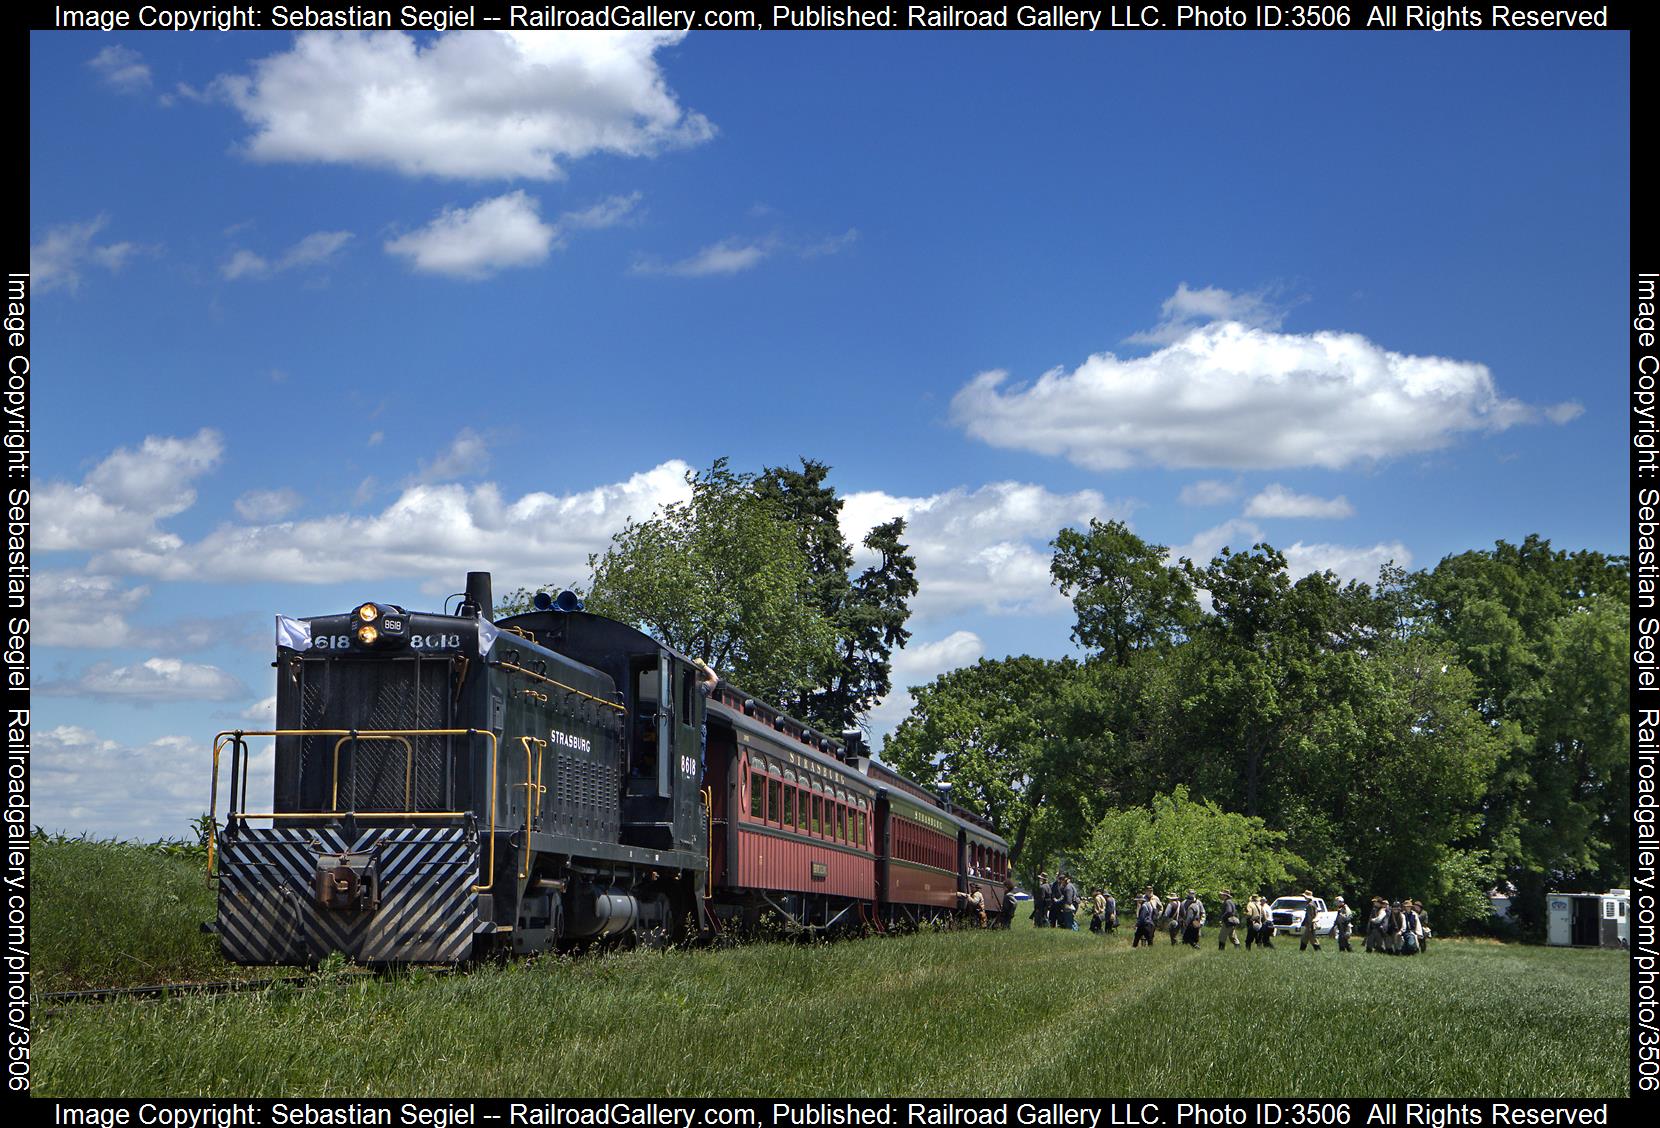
<point>1277,501</point>
<point>68,249</point>
<point>476,242</point>
<point>122,69</point>
<point>83,611</point>
<point>1565,412</point>
<point>315,249</point>
<point>1208,491</point>
<point>153,680</point>
<point>1187,309</point>
<point>1229,395</point>
<point>985,549</point>
<point>435,531</point>
<point>119,502</point>
<point>471,105</point>
<point>1347,562</point>
<point>82,782</point>
<point>918,664</point>
<point>267,505</point>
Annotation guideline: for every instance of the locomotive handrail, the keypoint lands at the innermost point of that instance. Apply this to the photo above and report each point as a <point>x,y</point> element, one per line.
<point>408,772</point>
<point>235,738</point>
<point>533,788</point>
<point>506,665</point>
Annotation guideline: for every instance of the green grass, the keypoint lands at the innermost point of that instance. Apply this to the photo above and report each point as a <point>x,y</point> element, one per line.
<point>1024,1013</point>
<point>109,914</point>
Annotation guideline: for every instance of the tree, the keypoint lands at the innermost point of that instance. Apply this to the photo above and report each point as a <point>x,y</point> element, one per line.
<point>1545,633</point>
<point>720,577</point>
<point>989,728</point>
<point>1180,843</point>
<point>1126,597</point>
<point>869,613</point>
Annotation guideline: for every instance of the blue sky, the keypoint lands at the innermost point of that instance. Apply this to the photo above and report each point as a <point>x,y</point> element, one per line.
<point>324,318</point>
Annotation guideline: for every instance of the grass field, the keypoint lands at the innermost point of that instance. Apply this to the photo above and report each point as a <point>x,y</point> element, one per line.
<point>1022,1013</point>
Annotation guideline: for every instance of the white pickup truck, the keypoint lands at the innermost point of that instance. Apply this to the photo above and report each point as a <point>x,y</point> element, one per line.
<point>1287,915</point>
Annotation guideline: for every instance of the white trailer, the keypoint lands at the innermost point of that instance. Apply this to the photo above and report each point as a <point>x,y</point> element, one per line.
<point>1589,920</point>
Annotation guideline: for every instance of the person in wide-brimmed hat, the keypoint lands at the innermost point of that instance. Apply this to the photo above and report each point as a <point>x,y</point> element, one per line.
<point>1311,923</point>
<point>1342,926</point>
<point>1229,915</point>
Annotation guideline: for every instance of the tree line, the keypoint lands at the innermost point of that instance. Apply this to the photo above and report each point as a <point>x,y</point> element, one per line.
<point>1432,735</point>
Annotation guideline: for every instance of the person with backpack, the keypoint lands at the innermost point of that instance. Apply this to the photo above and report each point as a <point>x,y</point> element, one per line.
<point>1409,930</point>
<point>1193,919</point>
<point>1343,926</point>
<point>1112,912</point>
<point>1230,922</point>
<point>1173,917</point>
<point>1040,901</point>
<point>1098,913</point>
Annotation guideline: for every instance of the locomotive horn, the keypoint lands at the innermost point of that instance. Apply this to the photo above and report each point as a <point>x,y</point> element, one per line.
<point>478,600</point>
<point>568,601</point>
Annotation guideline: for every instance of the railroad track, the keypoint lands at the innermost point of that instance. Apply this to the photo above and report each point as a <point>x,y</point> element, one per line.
<point>53,1001</point>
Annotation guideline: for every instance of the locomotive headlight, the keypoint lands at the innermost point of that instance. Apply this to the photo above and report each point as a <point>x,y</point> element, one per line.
<point>368,613</point>
<point>367,634</point>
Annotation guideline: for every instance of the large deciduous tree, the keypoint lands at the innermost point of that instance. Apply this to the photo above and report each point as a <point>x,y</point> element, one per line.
<point>721,577</point>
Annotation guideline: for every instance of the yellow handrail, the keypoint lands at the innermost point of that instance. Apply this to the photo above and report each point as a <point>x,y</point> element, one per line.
<point>562,685</point>
<point>408,772</point>
<point>371,734</point>
<point>533,787</point>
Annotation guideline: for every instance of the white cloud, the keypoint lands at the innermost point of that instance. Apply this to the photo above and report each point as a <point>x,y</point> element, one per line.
<point>918,664</point>
<point>315,249</point>
<point>122,69</point>
<point>986,549</point>
<point>267,505</point>
<point>470,105</point>
<point>82,611</point>
<point>1277,501</point>
<point>607,213</point>
<point>120,501</point>
<point>1227,395</point>
<point>476,242</point>
<point>466,455</point>
<point>1187,309</point>
<point>153,680</point>
<point>1347,562</point>
<point>64,251</point>
<point>1208,492</point>
<point>432,531</point>
<point>1565,412</point>
<point>80,781</point>
<point>730,256</point>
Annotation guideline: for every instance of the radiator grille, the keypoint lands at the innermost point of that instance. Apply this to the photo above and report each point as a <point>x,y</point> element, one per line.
<point>407,693</point>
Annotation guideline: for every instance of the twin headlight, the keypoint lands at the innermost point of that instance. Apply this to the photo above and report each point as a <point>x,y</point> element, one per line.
<point>372,623</point>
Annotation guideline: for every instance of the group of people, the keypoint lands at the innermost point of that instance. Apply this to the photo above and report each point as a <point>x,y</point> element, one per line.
<point>1396,928</point>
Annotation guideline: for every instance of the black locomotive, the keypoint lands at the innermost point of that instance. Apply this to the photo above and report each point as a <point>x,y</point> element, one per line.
<point>447,784</point>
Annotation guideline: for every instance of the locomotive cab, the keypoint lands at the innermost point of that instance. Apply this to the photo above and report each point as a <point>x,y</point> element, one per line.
<point>664,752</point>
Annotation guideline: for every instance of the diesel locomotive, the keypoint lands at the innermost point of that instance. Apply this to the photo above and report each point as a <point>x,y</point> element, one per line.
<point>447,785</point>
